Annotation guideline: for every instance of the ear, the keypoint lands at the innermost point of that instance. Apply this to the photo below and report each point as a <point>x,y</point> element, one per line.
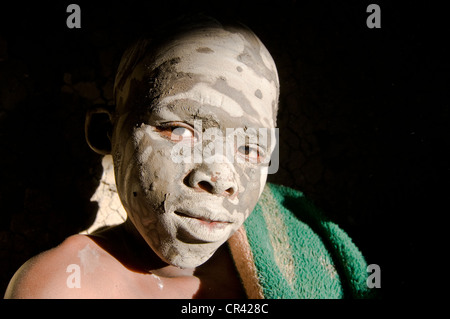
<point>98,128</point>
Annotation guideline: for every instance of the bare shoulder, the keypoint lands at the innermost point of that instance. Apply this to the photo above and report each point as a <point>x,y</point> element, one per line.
<point>66,271</point>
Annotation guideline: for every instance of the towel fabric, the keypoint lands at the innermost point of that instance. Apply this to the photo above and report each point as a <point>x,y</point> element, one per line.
<point>288,249</point>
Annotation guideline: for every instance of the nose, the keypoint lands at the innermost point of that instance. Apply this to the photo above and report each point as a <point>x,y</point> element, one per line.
<point>215,179</point>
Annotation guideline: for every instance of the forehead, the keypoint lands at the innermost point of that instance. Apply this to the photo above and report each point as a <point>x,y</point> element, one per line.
<point>229,71</point>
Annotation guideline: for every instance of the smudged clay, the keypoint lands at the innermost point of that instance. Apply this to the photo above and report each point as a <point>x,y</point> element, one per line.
<point>89,259</point>
<point>224,77</point>
<point>150,194</point>
<point>217,73</point>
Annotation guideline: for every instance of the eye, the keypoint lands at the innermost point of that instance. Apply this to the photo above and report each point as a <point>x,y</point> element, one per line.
<point>181,133</point>
<point>178,132</point>
<point>251,153</point>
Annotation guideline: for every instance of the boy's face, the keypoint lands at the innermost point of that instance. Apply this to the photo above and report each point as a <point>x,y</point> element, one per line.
<point>185,194</point>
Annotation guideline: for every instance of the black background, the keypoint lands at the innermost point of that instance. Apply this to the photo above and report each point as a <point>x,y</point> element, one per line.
<point>364,120</point>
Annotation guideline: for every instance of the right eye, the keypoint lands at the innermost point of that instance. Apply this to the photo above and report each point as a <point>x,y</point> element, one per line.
<point>178,132</point>
<point>181,134</point>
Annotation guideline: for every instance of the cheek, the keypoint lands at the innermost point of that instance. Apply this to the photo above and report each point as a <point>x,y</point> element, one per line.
<point>254,178</point>
<point>156,169</point>
<point>146,178</point>
<point>145,173</point>
<point>253,181</point>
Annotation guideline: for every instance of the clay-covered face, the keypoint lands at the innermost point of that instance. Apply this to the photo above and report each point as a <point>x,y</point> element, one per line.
<point>201,83</point>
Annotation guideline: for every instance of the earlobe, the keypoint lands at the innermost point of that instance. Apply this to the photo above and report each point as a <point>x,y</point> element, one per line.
<point>98,127</point>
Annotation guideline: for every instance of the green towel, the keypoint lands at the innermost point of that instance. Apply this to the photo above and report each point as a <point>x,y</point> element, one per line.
<point>288,249</point>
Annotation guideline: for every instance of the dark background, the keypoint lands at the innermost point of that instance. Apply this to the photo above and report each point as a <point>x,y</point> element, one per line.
<point>364,120</point>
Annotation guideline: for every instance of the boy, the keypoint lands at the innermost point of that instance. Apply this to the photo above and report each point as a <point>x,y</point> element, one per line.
<point>186,195</point>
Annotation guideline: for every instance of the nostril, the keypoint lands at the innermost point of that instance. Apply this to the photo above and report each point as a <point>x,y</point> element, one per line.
<point>229,191</point>
<point>199,181</point>
<point>205,186</point>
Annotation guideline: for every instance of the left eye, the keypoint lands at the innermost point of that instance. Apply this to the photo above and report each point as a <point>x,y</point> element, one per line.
<point>251,153</point>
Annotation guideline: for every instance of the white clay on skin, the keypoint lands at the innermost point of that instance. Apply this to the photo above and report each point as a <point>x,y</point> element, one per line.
<point>206,95</point>
<point>218,68</point>
<point>89,259</point>
<point>222,64</point>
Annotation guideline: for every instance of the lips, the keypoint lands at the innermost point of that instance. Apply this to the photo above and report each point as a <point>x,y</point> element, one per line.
<point>203,225</point>
<point>204,218</point>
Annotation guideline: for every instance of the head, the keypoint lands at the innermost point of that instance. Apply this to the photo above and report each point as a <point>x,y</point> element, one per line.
<point>186,136</point>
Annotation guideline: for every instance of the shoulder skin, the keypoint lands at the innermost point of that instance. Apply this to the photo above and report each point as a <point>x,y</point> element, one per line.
<point>71,270</point>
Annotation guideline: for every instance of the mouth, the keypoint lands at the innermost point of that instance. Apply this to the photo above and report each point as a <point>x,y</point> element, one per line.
<point>208,221</point>
<point>203,227</point>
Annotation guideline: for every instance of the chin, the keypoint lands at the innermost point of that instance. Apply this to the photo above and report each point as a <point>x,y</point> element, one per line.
<point>187,256</point>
